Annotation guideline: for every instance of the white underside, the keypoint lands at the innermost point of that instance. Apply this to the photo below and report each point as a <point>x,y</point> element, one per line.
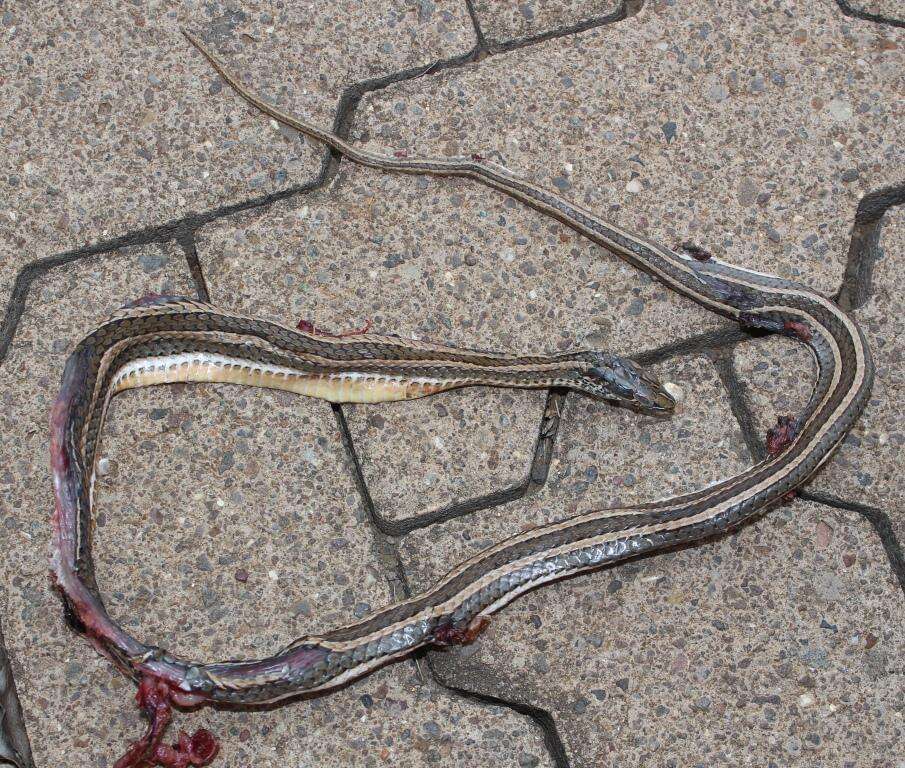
<point>338,387</point>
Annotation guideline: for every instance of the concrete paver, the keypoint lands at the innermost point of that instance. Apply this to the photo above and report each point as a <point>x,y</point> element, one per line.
<point>502,22</point>
<point>752,132</point>
<point>112,121</point>
<point>865,468</point>
<point>228,519</point>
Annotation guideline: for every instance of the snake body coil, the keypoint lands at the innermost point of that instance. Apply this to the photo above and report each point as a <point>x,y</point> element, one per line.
<point>179,340</point>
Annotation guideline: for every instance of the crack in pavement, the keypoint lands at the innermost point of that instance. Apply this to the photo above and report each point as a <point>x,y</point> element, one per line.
<point>626,10</point>
<point>535,477</point>
<point>541,717</point>
<point>388,553</point>
<point>15,749</point>
<point>880,521</point>
<point>863,251</point>
<point>849,10</point>
<point>855,290</point>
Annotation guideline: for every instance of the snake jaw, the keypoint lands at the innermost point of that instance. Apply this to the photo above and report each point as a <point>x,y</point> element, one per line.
<point>625,382</point>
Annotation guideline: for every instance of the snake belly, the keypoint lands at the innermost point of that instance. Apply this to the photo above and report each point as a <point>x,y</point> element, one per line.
<point>448,611</point>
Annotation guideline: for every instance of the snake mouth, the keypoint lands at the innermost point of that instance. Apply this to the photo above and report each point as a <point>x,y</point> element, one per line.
<point>659,402</point>
<point>654,403</point>
<point>653,396</point>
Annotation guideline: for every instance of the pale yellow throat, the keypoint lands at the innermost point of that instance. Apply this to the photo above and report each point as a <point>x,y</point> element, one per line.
<point>338,387</point>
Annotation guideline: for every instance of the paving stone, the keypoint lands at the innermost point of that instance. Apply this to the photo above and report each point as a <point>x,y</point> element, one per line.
<point>888,9</point>
<point>70,696</point>
<point>213,493</point>
<point>440,259</point>
<point>776,645</point>
<point>422,456</point>
<point>753,132</point>
<point>112,121</point>
<point>501,22</point>
<point>184,467</point>
<point>867,466</point>
<point>453,263</point>
<point>604,456</point>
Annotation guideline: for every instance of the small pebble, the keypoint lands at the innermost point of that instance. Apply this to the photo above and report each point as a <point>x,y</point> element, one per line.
<point>840,109</point>
<point>806,700</point>
<point>104,466</point>
<point>241,575</point>
<point>823,535</point>
<point>850,175</point>
<point>634,186</point>
<point>669,130</point>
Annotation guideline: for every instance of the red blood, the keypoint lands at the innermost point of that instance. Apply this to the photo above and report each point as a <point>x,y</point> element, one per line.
<point>788,498</point>
<point>400,153</point>
<point>797,329</point>
<point>195,750</point>
<point>696,252</point>
<point>781,436</point>
<point>478,158</point>
<point>154,698</point>
<point>307,326</point>
<point>450,635</point>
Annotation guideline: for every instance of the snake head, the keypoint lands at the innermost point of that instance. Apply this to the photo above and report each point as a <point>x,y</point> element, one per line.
<point>621,381</point>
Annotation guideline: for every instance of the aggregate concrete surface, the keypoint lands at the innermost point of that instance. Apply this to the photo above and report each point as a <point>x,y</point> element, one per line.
<point>231,520</point>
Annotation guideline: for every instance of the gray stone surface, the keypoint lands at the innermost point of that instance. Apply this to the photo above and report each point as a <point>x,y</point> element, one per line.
<point>888,9</point>
<point>227,525</point>
<point>112,121</point>
<point>501,22</point>
<point>779,645</point>
<point>231,499</point>
<point>449,448</point>
<point>73,699</point>
<point>441,259</point>
<point>228,521</point>
<point>753,131</point>
<point>867,467</point>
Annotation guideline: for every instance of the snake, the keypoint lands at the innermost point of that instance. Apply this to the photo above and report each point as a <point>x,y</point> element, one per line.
<point>158,340</point>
